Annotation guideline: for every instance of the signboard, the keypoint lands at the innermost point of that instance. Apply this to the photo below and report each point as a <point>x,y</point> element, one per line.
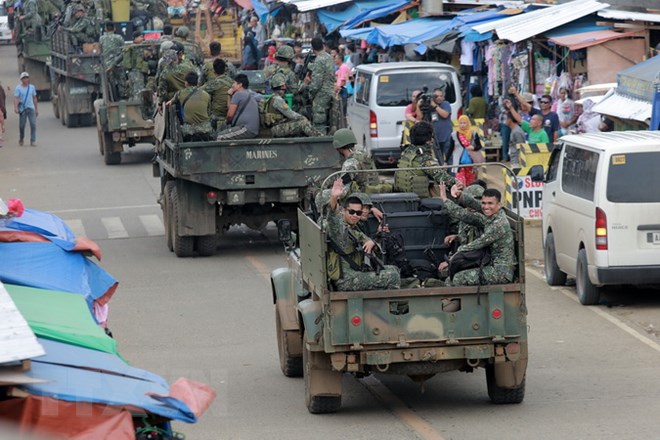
<point>529,196</point>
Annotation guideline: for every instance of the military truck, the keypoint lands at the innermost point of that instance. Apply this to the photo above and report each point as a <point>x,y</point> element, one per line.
<point>206,187</point>
<point>75,80</point>
<point>33,54</point>
<point>121,117</point>
<point>419,332</point>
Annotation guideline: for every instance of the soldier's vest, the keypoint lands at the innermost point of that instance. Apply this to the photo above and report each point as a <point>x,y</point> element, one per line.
<point>268,116</point>
<point>411,181</point>
<point>366,163</point>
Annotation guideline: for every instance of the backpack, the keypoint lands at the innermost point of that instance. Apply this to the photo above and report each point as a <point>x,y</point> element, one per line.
<point>465,260</point>
<point>395,254</point>
<point>265,113</point>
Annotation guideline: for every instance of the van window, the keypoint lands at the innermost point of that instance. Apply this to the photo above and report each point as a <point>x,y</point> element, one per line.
<point>553,165</point>
<point>634,178</point>
<point>362,88</point>
<point>578,175</point>
<point>395,89</point>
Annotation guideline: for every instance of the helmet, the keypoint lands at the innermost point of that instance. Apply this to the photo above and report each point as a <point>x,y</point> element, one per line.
<point>165,45</point>
<point>364,198</point>
<point>277,81</point>
<point>343,137</point>
<point>474,191</point>
<point>284,52</point>
<point>177,47</point>
<point>182,31</point>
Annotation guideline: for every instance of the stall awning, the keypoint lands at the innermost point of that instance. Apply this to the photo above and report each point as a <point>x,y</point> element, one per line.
<point>587,39</point>
<point>524,26</point>
<point>383,9</point>
<point>411,31</point>
<point>616,14</point>
<point>311,5</point>
<point>637,81</point>
<point>358,12</point>
<point>623,106</point>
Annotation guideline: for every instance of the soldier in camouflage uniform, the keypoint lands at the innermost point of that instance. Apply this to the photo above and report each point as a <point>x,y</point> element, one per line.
<point>320,85</point>
<point>82,29</point>
<point>282,66</point>
<point>215,48</point>
<point>31,21</point>
<point>173,75</point>
<point>349,247</point>
<point>497,237</point>
<point>194,103</point>
<point>137,68</point>
<point>192,50</point>
<point>217,88</point>
<point>111,53</point>
<point>279,119</point>
<point>420,154</point>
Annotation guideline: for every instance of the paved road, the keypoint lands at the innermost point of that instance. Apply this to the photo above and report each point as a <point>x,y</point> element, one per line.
<point>592,373</point>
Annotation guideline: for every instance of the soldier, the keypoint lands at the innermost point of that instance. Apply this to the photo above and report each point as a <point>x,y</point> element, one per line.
<point>282,66</point>
<point>279,119</point>
<point>215,48</point>
<point>192,50</point>
<point>419,154</point>
<point>172,78</point>
<point>194,104</point>
<point>356,159</point>
<point>82,30</point>
<point>349,249</point>
<point>167,32</point>
<point>111,53</point>
<point>136,67</point>
<point>497,237</point>
<point>217,88</point>
<point>320,84</point>
<point>31,21</point>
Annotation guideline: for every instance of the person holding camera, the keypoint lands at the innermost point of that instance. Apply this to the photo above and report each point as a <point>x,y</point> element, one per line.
<point>442,126</point>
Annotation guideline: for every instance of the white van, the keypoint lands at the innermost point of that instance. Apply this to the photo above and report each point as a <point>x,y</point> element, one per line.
<point>601,211</point>
<point>375,112</point>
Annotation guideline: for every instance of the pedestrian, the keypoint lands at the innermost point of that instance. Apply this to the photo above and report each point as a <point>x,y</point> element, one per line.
<point>465,149</point>
<point>25,105</point>
<point>3,115</point>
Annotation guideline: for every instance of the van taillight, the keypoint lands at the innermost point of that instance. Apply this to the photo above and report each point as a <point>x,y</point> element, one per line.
<point>601,230</point>
<point>373,125</point>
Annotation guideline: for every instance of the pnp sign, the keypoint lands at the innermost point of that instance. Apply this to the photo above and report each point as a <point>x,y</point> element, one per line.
<point>529,197</point>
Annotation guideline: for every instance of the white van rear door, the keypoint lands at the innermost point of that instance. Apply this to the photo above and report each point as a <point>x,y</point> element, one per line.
<point>632,204</point>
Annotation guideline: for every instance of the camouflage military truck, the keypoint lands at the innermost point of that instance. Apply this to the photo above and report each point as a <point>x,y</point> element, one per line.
<point>75,80</point>
<point>418,332</point>
<point>124,115</point>
<point>206,187</point>
<point>33,57</point>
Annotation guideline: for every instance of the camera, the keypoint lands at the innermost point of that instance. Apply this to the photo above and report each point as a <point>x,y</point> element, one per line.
<point>425,105</point>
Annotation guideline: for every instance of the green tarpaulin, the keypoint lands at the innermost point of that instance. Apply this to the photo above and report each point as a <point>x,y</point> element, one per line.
<point>60,316</point>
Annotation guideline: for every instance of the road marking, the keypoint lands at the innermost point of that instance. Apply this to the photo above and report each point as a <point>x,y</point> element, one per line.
<point>391,402</point>
<point>105,208</point>
<point>152,224</point>
<point>77,227</point>
<point>598,311</point>
<point>114,227</point>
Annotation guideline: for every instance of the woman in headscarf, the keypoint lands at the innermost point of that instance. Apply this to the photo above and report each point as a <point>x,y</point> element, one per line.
<point>465,150</point>
<point>270,58</point>
<point>250,53</point>
<point>589,120</point>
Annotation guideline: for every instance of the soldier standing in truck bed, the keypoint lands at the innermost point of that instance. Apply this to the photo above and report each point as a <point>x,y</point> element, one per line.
<point>111,54</point>
<point>320,85</point>
<point>282,66</point>
<point>173,76</point>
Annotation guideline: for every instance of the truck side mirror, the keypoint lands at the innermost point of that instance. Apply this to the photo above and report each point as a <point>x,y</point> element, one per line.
<point>536,173</point>
<point>284,231</point>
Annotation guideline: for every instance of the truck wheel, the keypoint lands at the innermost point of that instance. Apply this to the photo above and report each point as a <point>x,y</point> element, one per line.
<point>553,275</point>
<point>499,395</point>
<point>587,293</point>
<point>43,95</point>
<point>110,157</point>
<point>292,366</point>
<point>56,108</point>
<point>319,378</point>
<point>206,245</point>
<point>182,245</point>
<point>85,120</point>
<point>60,103</point>
<point>167,212</point>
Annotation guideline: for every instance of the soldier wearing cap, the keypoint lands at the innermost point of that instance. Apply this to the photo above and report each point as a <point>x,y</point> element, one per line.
<point>82,29</point>
<point>280,121</point>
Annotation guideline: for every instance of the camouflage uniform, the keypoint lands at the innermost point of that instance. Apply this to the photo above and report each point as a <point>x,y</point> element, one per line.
<point>111,53</point>
<point>137,67</point>
<point>82,31</point>
<point>292,83</point>
<point>470,225</point>
<point>348,239</point>
<point>284,122</point>
<point>414,156</point>
<point>196,122</point>
<point>32,21</point>
<point>217,88</point>
<point>173,79</point>
<point>497,236</point>
<point>193,52</point>
<point>321,89</point>
<point>209,73</point>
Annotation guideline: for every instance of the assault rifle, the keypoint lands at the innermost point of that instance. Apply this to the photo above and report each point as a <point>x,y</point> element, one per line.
<point>309,58</point>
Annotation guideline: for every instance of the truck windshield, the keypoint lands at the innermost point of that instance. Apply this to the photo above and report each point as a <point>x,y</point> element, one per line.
<point>395,89</point>
<point>634,178</point>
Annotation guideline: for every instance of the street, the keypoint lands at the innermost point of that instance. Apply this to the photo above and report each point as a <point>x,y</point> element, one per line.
<point>592,371</point>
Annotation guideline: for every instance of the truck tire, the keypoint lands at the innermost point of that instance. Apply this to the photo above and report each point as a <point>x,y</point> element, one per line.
<point>60,103</point>
<point>56,108</point>
<point>43,95</point>
<point>206,245</point>
<point>85,120</point>
<point>181,245</point>
<point>110,157</point>
<point>291,366</point>
<point>553,276</point>
<point>503,396</point>
<point>317,371</point>
<point>587,293</point>
<point>101,136</point>
<point>167,212</point>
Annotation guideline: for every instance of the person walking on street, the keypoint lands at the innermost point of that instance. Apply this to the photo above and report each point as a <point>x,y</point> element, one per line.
<point>25,104</point>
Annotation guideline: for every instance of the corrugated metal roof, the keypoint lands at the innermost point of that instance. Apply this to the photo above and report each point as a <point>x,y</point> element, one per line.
<point>523,26</point>
<point>587,39</point>
<point>624,107</point>
<point>310,5</point>
<point>616,14</point>
<point>17,342</point>
<point>615,139</point>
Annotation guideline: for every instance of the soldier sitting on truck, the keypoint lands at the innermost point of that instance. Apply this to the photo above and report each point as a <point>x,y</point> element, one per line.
<point>30,20</point>
<point>417,155</point>
<point>279,120</point>
<point>82,29</point>
<point>173,76</point>
<point>349,249</point>
<point>217,88</point>
<point>193,106</point>
<point>215,48</point>
<point>497,238</point>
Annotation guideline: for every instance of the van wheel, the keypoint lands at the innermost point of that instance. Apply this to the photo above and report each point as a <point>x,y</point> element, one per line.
<point>553,275</point>
<point>291,366</point>
<point>317,370</point>
<point>499,395</point>
<point>587,293</point>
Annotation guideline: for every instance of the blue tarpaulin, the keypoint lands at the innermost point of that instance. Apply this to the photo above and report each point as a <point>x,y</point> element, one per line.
<point>411,31</point>
<point>45,224</point>
<point>370,9</point>
<point>655,112</point>
<point>384,9</point>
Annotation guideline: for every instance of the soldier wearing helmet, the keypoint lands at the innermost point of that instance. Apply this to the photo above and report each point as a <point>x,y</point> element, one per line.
<point>355,159</point>
<point>173,75</point>
<point>192,50</point>
<point>282,65</point>
<point>279,120</point>
<point>82,30</point>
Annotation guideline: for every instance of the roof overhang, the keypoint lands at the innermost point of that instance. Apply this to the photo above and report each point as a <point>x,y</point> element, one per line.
<point>624,107</point>
<point>587,39</point>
